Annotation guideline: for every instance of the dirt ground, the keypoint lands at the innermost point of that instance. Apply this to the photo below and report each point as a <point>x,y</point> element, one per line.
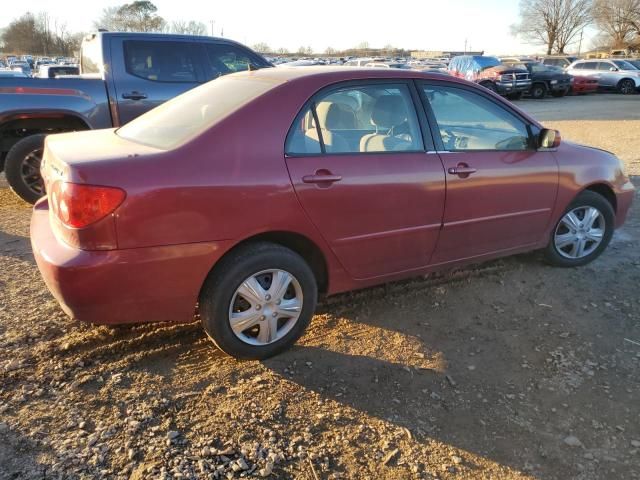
<point>508,370</point>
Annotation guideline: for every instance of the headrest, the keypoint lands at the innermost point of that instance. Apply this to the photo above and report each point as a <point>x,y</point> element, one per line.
<point>335,116</point>
<point>388,111</point>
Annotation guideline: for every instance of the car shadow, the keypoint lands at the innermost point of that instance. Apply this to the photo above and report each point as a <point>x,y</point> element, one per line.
<point>16,246</point>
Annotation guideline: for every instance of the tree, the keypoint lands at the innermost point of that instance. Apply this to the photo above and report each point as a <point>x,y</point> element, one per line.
<point>138,16</point>
<point>262,47</point>
<point>283,51</point>
<point>619,20</point>
<point>553,23</point>
<point>330,51</point>
<point>188,28</point>
<point>34,34</point>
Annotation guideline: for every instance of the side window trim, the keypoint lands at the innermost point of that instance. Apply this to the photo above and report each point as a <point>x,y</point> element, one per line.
<point>350,84</point>
<point>440,148</point>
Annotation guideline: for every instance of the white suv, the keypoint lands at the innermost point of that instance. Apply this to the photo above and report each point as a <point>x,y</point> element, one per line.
<point>618,74</point>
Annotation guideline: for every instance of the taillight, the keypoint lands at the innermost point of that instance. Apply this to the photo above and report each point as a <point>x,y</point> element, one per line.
<point>78,205</point>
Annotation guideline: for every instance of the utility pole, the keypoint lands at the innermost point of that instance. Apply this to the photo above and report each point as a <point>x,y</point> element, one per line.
<point>580,44</point>
<point>465,46</point>
<point>213,22</point>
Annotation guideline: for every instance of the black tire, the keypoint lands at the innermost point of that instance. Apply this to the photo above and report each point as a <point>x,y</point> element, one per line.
<point>538,91</point>
<point>219,289</point>
<point>626,86</point>
<point>490,86</point>
<point>22,168</point>
<point>515,96</point>
<point>560,93</point>
<point>584,199</point>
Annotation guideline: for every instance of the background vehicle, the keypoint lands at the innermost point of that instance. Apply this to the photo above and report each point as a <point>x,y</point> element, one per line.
<point>24,67</point>
<point>582,85</point>
<point>611,74</point>
<point>491,74</point>
<point>53,71</point>
<point>559,61</point>
<point>144,70</point>
<point>544,79</point>
<point>378,163</point>
<point>8,73</point>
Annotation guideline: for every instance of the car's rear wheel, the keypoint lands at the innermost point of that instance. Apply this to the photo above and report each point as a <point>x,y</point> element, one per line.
<point>538,91</point>
<point>583,231</point>
<point>258,301</point>
<point>626,86</point>
<point>22,168</point>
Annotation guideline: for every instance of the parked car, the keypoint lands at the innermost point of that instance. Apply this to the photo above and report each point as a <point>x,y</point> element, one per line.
<point>143,71</point>
<point>491,74</point>
<point>611,74</point>
<point>24,67</point>
<point>53,71</point>
<point>562,61</point>
<point>583,85</point>
<point>306,181</point>
<point>544,79</point>
<point>635,62</point>
<point>9,73</point>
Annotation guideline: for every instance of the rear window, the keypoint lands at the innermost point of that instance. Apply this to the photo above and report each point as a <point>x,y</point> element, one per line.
<point>161,61</point>
<point>184,117</point>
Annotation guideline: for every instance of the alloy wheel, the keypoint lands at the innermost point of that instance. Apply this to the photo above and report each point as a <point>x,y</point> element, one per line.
<point>579,232</point>
<point>265,307</point>
<point>30,171</point>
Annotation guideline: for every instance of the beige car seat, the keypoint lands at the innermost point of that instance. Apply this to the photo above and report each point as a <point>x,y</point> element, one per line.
<point>388,112</point>
<point>333,117</point>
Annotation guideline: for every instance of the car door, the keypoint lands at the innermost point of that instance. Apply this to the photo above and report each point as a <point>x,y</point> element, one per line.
<point>357,160</point>
<point>608,78</point>
<point>500,189</point>
<point>148,72</point>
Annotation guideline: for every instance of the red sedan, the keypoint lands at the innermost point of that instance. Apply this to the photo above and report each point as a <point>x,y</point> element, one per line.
<point>252,194</point>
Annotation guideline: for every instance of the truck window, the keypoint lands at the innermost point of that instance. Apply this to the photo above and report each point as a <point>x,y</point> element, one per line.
<point>91,56</point>
<point>224,59</point>
<point>161,61</point>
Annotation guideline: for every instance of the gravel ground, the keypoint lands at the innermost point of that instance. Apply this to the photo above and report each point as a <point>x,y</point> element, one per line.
<point>508,370</point>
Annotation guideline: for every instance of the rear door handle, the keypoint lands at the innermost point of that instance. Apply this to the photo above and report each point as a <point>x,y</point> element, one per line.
<point>134,95</point>
<point>321,178</point>
<point>462,170</point>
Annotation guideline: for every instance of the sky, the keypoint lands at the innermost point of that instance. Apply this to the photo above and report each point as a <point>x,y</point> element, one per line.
<point>414,24</point>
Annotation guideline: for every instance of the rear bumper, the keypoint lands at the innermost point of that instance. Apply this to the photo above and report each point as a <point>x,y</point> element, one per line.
<point>122,286</point>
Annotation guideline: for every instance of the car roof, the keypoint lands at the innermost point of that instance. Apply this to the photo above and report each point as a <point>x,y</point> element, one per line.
<point>339,73</point>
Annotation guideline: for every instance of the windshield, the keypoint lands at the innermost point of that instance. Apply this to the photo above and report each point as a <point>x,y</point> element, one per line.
<point>622,65</point>
<point>184,117</point>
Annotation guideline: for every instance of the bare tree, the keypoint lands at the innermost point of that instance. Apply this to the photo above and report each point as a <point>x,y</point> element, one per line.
<point>553,23</point>
<point>33,34</point>
<point>283,51</point>
<point>262,47</point>
<point>138,16</point>
<point>188,28</point>
<point>619,20</point>
<point>330,51</point>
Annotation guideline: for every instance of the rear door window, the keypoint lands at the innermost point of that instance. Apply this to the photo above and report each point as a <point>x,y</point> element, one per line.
<point>161,61</point>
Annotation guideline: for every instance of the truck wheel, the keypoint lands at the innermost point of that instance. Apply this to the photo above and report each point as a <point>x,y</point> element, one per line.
<point>490,86</point>
<point>560,93</point>
<point>538,91</point>
<point>626,86</point>
<point>22,168</point>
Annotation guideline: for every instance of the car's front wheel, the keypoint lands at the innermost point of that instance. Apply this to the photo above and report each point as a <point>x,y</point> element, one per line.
<point>258,301</point>
<point>583,231</point>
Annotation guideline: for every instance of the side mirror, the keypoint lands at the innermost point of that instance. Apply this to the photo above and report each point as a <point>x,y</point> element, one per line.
<point>548,138</point>
<point>613,69</point>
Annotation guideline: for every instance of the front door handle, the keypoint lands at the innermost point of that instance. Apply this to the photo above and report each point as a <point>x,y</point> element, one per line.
<point>321,178</point>
<point>134,95</point>
<point>462,170</point>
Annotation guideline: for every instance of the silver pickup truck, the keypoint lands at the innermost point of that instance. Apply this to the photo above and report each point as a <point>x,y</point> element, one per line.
<point>122,75</point>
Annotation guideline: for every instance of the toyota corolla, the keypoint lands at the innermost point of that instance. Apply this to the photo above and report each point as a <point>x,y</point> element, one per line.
<point>246,198</point>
